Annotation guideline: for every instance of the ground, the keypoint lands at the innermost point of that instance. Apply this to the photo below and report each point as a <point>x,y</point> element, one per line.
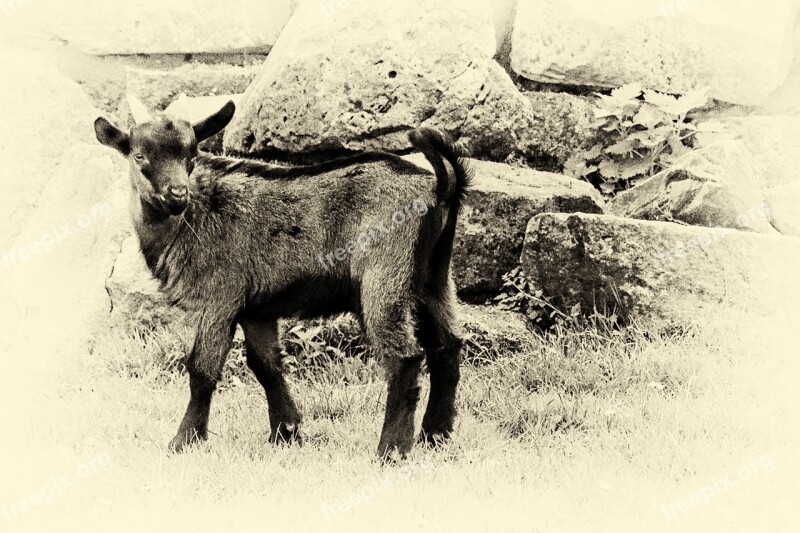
<point>585,429</point>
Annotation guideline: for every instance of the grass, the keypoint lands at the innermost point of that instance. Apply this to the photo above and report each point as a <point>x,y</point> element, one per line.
<point>579,429</point>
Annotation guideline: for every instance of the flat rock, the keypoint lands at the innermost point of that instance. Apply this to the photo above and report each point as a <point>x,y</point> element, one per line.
<point>658,272</point>
<point>158,88</point>
<point>358,75</point>
<point>491,332</point>
<point>196,109</point>
<point>491,226</point>
<point>739,49</point>
<point>153,26</point>
<point>715,187</point>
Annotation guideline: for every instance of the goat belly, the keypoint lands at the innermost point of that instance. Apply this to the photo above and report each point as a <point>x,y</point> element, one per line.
<point>310,297</point>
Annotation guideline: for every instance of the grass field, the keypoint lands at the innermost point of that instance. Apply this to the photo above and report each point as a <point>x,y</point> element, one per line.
<point>582,430</point>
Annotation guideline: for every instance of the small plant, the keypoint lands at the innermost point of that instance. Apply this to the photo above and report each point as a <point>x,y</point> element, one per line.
<point>642,133</point>
<point>520,295</point>
<point>315,344</point>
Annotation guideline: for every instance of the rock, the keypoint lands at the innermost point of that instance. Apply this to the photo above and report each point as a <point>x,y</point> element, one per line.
<point>740,50</point>
<point>786,99</point>
<point>783,202</point>
<point>158,88</point>
<point>774,149</point>
<point>359,76</point>
<point>491,332</point>
<point>491,226</point>
<point>773,142</point>
<point>714,187</point>
<point>136,299</point>
<point>196,109</point>
<point>44,114</point>
<point>56,269</point>
<point>153,26</point>
<point>658,272</point>
<point>558,127</point>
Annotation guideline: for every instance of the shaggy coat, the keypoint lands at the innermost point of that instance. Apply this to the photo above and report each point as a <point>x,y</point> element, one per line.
<point>241,241</point>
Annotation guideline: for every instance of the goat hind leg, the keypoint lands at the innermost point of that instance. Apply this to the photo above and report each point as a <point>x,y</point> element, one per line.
<point>263,358</point>
<point>442,347</point>
<point>390,336</point>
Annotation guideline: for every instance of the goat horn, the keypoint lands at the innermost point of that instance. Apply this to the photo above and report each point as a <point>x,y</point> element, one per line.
<point>138,110</point>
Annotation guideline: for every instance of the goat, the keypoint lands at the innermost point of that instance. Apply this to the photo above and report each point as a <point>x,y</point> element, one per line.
<point>240,241</point>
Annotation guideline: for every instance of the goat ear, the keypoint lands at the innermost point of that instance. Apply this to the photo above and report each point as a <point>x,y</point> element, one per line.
<point>112,136</point>
<point>215,123</point>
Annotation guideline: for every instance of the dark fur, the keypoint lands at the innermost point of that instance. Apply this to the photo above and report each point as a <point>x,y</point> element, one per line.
<point>246,249</point>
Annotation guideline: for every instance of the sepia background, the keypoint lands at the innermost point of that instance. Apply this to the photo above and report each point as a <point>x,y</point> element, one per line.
<point>626,265</point>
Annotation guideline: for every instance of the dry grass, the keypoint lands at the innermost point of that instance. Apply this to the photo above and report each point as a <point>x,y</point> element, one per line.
<point>583,429</point>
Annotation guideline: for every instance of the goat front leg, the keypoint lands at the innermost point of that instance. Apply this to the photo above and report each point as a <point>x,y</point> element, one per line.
<point>397,436</point>
<point>204,365</point>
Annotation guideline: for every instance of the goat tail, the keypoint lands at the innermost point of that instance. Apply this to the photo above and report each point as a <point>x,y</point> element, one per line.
<point>442,152</point>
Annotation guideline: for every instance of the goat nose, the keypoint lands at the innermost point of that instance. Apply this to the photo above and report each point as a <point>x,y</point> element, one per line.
<point>178,192</point>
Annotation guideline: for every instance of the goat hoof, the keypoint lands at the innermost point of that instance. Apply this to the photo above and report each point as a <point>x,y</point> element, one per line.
<point>434,438</point>
<point>286,434</point>
<point>185,439</point>
<point>393,453</point>
<point>392,457</point>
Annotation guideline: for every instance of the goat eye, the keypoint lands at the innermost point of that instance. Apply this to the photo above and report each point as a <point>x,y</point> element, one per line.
<point>138,158</point>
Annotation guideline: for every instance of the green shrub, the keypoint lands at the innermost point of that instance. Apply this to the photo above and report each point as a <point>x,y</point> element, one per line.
<point>642,133</point>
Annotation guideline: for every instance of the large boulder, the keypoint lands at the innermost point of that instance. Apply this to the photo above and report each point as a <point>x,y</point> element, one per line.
<point>491,226</point>
<point>56,269</point>
<point>358,75</point>
<point>740,50</point>
<point>44,114</point>
<point>153,26</point>
<point>786,99</point>
<point>65,217</point>
<point>715,187</point>
<point>774,150</point>
<point>658,272</point>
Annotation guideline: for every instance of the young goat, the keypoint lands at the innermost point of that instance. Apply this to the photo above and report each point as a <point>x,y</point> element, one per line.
<point>240,241</point>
